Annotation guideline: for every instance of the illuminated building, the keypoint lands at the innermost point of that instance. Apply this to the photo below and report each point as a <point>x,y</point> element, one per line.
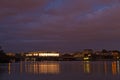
<point>38,56</point>
<point>87,54</point>
<point>10,54</point>
<point>115,54</point>
<point>42,54</point>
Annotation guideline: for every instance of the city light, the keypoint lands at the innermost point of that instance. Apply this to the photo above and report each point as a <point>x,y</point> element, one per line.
<point>49,54</point>
<point>43,54</point>
<point>86,58</point>
<point>43,68</point>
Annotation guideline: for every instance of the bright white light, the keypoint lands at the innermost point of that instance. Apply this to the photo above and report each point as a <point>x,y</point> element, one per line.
<point>49,54</point>
<point>35,54</point>
<point>86,58</point>
<point>28,54</point>
<point>43,54</point>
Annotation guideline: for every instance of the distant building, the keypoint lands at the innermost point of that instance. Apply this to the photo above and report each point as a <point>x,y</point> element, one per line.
<point>42,54</point>
<point>116,54</point>
<point>10,54</point>
<point>87,53</point>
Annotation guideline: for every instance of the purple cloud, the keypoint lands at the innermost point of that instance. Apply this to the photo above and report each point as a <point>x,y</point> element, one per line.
<point>59,24</point>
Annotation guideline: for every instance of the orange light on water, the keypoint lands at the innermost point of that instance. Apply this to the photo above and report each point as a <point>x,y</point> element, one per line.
<point>9,68</point>
<point>43,68</point>
<point>114,68</point>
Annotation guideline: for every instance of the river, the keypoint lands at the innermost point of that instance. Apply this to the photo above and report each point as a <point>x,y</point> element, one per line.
<point>61,70</point>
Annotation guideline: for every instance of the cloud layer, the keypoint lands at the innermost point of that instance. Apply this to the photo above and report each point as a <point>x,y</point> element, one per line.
<point>62,25</point>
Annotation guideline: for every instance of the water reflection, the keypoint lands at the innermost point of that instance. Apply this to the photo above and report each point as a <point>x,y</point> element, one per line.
<point>21,67</point>
<point>9,68</point>
<point>115,67</point>
<point>118,66</point>
<point>43,68</point>
<point>49,67</point>
<point>87,67</point>
<point>104,67</point>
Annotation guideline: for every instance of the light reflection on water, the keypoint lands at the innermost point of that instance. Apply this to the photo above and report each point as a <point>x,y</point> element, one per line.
<point>102,67</point>
<point>36,67</point>
<point>87,67</point>
<point>105,70</point>
<point>9,67</point>
<point>54,67</point>
<point>43,68</point>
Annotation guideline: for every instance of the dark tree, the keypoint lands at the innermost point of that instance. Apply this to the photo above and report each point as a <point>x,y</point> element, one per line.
<point>104,51</point>
<point>3,57</point>
<point>2,53</point>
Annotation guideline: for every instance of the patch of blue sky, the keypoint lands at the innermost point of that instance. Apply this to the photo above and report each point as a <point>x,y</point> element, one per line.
<point>54,5</point>
<point>94,9</point>
<point>99,7</point>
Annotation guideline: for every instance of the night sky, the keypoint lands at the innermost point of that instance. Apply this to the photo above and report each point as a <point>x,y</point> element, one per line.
<point>59,25</point>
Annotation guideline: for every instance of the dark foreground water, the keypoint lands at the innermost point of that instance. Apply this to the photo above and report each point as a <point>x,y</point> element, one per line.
<point>66,70</point>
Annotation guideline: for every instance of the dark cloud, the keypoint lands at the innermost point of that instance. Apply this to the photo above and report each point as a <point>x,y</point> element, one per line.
<point>59,24</point>
<point>22,4</point>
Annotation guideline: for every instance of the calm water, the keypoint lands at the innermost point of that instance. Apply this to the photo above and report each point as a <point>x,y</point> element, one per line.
<point>73,70</point>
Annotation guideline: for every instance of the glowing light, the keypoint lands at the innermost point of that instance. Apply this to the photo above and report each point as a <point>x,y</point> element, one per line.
<point>118,66</point>
<point>86,58</point>
<point>87,67</point>
<point>49,54</point>
<point>117,57</point>
<point>28,54</point>
<point>114,68</point>
<point>89,55</point>
<point>43,54</point>
<point>43,68</point>
<point>49,68</point>
<point>35,54</point>
<point>9,68</point>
